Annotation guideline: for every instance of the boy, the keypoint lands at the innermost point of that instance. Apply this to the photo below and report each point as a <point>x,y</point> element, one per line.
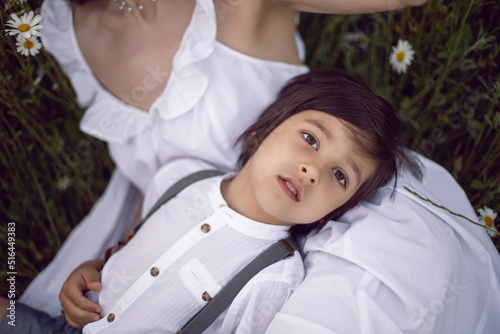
<point>322,147</point>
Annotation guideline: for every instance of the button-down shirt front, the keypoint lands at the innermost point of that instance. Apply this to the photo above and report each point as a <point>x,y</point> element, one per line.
<point>183,255</point>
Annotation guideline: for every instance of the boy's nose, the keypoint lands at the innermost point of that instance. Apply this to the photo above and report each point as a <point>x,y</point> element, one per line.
<point>310,172</point>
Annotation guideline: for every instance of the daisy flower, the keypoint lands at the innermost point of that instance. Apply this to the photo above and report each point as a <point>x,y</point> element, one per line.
<point>29,46</point>
<point>63,183</point>
<point>56,144</point>
<point>24,27</point>
<point>487,217</point>
<point>401,56</point>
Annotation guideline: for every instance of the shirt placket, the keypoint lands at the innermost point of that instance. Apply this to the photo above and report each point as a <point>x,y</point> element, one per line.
<point>154,272</point>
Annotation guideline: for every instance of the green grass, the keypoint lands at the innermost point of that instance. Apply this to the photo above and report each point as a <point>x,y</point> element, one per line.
<point>448,100</point>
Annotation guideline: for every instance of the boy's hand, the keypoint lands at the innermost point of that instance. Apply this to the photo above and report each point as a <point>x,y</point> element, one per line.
<point>78,310</point>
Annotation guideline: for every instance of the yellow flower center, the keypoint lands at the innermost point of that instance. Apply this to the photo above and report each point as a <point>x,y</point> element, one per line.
<point>28,44</point>
<point>24,27</point>
<point>488,221</point>
<point>400,56</point>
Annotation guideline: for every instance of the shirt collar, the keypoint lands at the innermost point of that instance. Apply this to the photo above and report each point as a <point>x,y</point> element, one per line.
<point>241,223</point>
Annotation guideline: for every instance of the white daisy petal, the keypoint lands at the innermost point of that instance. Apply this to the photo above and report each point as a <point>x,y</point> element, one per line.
<point>15,22</point>
<point>16,19</point>
<point>36,20</point>
<point>30,16</point>
<point>487,218</point>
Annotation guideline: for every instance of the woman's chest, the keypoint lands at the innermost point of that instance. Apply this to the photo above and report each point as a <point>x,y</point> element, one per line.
<point>130,57</point>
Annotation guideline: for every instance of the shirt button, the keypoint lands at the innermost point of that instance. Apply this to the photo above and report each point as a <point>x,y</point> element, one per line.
<point>206,296</point>
<point>155,271</point>
<point>205,228</point>
<point>111,317</point>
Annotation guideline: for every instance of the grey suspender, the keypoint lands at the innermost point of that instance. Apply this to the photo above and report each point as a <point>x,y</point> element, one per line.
<point>176,188</point>
<point>221,301</point>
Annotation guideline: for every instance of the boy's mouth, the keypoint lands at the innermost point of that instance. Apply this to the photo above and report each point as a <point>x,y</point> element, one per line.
<point>289,188</point>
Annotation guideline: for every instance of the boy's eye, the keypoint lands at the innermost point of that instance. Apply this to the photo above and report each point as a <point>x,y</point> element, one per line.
<point>310,139</point>
<point>340,176</point>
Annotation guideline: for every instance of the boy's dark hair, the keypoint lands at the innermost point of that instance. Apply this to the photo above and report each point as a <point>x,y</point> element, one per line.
<point>373,122</point>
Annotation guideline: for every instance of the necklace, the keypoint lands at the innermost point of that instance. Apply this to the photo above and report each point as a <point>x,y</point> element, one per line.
<point>126,6</point>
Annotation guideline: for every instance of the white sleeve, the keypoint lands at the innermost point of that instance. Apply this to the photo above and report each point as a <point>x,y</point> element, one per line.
<point>262,297</point>
<point>336,297</point>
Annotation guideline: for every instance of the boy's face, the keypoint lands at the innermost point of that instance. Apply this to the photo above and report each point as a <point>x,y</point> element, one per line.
<point>306,168</point>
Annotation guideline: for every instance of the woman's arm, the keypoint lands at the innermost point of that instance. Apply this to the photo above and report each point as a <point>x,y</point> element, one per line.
<point>349,6</point>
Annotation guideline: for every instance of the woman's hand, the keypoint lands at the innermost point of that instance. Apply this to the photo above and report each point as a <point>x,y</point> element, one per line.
<point>78,310</point>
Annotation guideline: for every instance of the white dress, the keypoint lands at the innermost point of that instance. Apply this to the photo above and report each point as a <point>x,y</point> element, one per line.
<point>399,265</point>
<point>213,94</point>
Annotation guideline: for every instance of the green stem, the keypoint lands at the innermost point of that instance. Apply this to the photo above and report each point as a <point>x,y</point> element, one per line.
<point>37,184</point>
<point>448,210</point>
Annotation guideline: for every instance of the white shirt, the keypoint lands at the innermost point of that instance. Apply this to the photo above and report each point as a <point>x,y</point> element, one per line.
<point>399,265</point>
<point>212,95</point>
<point>190,248</point>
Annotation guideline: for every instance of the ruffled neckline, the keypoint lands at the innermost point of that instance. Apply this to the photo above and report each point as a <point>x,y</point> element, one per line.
<point>111,119</point>
<point>114,121</point>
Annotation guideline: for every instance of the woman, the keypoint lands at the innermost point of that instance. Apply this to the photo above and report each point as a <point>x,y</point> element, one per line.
<point>162,80</point>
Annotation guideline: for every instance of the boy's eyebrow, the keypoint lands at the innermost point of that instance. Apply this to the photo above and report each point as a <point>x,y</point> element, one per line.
<point>329,135</point>
<point>320,126</point>
<point>356,170</point>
